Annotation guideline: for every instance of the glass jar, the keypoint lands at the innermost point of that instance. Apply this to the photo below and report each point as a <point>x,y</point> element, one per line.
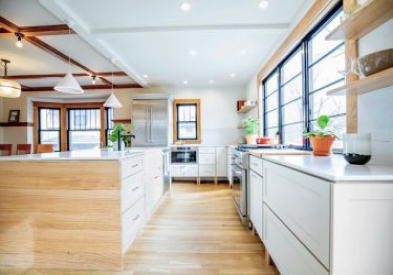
<point>357,148</point>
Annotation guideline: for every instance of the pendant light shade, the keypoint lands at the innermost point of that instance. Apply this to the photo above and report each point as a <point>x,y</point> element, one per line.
<point>112,101</point>
<point>8,88</point>
<point>68,84</point>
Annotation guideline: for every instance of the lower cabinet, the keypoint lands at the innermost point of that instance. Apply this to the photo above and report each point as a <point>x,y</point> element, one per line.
<point>288,253</point>
<point>256,201</point>
<point>184,171</point>
<point>132,221</point>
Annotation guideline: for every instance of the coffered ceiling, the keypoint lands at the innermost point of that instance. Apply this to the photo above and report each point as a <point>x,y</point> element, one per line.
<point>147,43</point>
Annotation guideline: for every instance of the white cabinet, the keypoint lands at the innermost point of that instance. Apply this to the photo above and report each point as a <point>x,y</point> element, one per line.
<point>255,194</point>
<point>289,255</point>
<point>186,170</point>
<point>230,162</point>
<point>302,202</point>
<point>154,179</point>
<point>207,161</point>
<point>221,161</point>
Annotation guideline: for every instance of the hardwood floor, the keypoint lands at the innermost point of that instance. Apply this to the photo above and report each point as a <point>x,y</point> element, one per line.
<point>196,230</point>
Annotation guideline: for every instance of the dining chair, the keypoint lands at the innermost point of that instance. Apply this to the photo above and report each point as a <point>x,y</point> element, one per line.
<point>23,149</point>
<point>5,149</point>
<point>44,148</point>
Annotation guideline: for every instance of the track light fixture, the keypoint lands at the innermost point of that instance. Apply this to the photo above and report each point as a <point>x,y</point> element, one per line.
<point>19,43</point>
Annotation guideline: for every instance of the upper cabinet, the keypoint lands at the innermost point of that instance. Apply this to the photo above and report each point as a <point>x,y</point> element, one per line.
<point>370,16</point>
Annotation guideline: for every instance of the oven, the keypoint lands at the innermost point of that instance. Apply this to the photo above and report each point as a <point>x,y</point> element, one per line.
<point>184,155</point>
<point>239,182</point>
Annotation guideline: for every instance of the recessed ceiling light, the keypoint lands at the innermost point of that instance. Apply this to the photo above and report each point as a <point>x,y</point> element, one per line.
<point>243,52</point>
<point>193,52</point>
<point>185,6</point>
<point>211,81</point>
<point>185,82</point>
<point>233,74</point>
<point>264,4</point>
<point>145,76</point>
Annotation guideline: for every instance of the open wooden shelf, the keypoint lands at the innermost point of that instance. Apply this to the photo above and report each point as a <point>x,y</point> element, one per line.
<point>364,85</point>
<point>246,108</point>
<point>371,15</point>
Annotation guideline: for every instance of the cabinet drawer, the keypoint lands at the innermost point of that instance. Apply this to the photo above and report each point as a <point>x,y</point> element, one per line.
<point>207,159</point>
<point>184,170</point>
<point>289,255</point>
<point>131,166</point>
<point>302,202</point>
<point>256,164</point>
<point>132,221</point>
<point>132,190</point>
<point>207,171</point>
<point>207,150</point>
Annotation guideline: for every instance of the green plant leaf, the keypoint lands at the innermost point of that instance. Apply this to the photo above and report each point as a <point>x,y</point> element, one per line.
<point>323,121</point>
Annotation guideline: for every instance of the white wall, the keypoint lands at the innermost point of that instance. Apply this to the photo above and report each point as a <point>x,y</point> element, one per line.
<point>218,110</point>
<point>375,109</point>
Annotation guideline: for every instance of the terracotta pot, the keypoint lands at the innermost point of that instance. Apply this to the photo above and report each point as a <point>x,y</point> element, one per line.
<point>322,146</point>
<point>251,139</point>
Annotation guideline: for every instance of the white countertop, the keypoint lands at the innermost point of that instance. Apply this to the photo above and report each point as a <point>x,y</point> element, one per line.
<point>99,154</point>
<point>334,168</point>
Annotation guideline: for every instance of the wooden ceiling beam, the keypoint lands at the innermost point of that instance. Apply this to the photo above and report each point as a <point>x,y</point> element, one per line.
<point>37,76</point>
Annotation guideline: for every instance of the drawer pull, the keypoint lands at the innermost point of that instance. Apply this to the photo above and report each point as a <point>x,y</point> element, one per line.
<point>156,177</point>
<point>135,165</point>
<point>136,217</point>
<point>135,188</point>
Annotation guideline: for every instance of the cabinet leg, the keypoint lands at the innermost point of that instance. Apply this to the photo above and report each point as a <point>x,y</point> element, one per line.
<point>268,259</point>
<point>215,180</point>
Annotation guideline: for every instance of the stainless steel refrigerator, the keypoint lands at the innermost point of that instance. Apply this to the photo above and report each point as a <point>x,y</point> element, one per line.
<point>152,120</point>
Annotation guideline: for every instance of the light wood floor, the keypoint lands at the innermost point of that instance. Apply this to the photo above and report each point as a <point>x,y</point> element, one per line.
<point>196,230</point>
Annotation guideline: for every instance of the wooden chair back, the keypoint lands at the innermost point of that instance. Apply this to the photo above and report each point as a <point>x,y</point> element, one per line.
<point>44,148</point>
<point>23,149</point>
<point>5,149</point>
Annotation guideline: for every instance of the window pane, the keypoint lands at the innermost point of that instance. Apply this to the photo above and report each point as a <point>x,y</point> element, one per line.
<point>187,112</point>
<point>272,132</point>
<point>293,134</point>
<point>292,67</point>
<point>80,140</point>
<point>84,119</point>
<point>321,104</point>
<point>51,137</point>
<point>318,45</point>
<point>49,119</point>
<point>271,84</point>
<point>293,112</point>
<point>272,119</point>
<point>187,130</point>
<point>292,90</point>
<point>272,102</point>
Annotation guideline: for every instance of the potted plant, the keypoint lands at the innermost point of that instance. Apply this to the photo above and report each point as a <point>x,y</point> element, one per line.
<point>125,132</point>
<point>321,139</point>
<point>251,130</point>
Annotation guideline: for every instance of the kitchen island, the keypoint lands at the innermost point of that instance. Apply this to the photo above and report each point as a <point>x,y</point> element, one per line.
<point>324,216</point>
<point>78,209</point>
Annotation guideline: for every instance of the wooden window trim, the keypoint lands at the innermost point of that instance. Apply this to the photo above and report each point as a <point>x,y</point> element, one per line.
<point>187,101</point>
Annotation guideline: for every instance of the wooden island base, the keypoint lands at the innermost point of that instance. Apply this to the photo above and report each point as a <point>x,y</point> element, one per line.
<point>61,214</point>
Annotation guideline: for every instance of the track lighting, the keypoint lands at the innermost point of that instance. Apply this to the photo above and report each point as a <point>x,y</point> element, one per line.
<point>19,43</point>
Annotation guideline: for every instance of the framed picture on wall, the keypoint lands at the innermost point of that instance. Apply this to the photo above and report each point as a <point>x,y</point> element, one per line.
<point>13,116</point>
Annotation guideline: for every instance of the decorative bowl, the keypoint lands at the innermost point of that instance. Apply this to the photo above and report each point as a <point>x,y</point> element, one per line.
<point>376,62</point>
<point>264,140</point>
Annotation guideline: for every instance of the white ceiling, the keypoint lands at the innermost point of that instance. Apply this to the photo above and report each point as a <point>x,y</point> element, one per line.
<point>155,38</point>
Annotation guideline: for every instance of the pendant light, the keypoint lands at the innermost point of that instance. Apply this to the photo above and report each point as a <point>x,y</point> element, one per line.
<point>112,101</point>
<point>68,83</point>
<point>8,88</point>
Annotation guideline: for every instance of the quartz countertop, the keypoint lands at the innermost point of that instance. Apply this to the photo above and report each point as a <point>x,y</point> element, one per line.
<point>271,151</point>
<point>334,168</point>
<point>94,154</point>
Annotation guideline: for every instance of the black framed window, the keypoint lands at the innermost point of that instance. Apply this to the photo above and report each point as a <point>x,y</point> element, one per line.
<point>294,94</point>
<point>186,122</point>
<point>84,127</point>
<point>49,127</point>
